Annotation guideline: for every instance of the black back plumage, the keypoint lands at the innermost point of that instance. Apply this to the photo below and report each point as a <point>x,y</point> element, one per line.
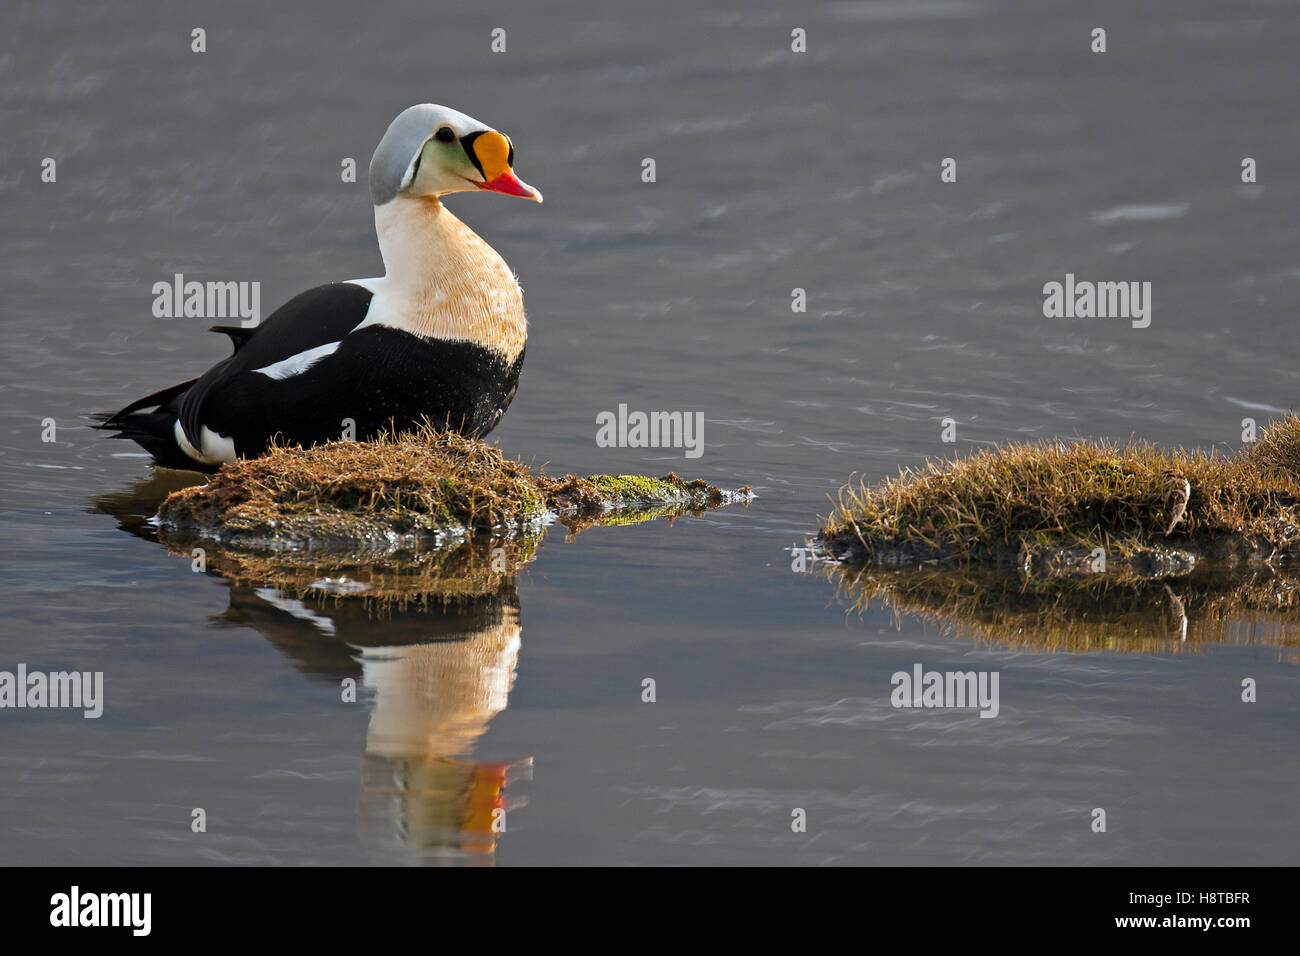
<point>377,378</point>
<point>309,320</point>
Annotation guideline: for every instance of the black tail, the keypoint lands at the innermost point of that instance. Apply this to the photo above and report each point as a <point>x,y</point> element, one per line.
<point>152,429</point>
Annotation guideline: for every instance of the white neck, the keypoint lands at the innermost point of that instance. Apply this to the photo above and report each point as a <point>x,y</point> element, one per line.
<point>442,281</point>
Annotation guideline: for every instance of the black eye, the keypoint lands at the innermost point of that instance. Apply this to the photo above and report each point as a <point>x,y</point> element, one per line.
<point>445,135</point>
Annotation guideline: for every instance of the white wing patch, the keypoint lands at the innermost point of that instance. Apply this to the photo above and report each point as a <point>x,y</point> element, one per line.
<point>296,608</point>
<point>297,364</point>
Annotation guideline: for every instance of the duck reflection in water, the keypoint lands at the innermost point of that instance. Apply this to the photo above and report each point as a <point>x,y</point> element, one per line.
<point>434,676</point>
<point>431,642</point>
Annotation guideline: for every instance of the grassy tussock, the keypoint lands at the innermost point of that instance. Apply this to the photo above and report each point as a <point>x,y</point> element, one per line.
<point>410,483</point>
<point>1027,499</point>
<point>408,486</point>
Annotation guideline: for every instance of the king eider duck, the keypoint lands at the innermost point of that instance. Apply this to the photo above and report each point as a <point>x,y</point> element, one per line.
<point>439,337</point>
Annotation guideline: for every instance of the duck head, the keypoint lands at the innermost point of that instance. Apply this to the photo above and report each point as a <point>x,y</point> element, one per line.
<point>431,151</point>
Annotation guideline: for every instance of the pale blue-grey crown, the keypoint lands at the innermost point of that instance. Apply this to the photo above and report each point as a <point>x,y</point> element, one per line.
<point>395,155</point>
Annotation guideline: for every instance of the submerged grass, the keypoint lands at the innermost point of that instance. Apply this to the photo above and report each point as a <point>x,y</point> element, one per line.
<point>1025,501</point>
<point>405,488</point>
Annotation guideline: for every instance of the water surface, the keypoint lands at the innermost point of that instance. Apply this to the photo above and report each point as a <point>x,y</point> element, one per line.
<point>775,171</point>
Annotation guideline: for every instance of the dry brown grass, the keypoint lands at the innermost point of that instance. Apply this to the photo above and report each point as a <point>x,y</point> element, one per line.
<point>405,488</point>
<point>408,484</point>
<point>1029,499</point>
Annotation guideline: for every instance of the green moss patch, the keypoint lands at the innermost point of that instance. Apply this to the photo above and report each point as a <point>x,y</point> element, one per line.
<point>1056,503</point>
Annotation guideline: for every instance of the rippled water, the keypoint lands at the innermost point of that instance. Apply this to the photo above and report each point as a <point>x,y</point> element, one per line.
<point>774,171</point>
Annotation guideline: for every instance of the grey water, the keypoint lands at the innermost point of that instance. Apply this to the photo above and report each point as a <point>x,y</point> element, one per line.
<point>774,171</point>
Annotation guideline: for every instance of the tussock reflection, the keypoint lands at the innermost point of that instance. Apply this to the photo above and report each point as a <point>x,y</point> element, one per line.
<point>1090,613</point>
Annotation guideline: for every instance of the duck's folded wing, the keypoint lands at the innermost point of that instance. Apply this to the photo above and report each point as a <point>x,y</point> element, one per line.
<point>299,333</point>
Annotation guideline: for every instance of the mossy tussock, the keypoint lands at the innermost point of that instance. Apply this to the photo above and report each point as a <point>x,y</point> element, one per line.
<point>1050,505</point>
<point>1125,613</point>
<point>404,491</point>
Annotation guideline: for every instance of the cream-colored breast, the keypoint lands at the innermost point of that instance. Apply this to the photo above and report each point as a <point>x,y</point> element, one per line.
<point>443,281</point>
